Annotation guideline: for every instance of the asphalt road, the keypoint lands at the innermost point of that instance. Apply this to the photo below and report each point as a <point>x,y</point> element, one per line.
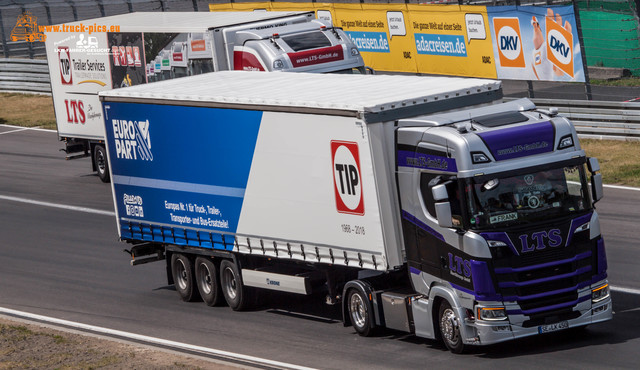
<point>69,264</point>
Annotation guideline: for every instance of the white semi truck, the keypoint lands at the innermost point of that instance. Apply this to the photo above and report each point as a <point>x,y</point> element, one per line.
<point>420,204</point>
<point>83,64</point>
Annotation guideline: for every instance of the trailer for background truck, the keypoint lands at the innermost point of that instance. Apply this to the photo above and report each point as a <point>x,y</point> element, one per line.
<point>420,204</point>
<point>115,51</point>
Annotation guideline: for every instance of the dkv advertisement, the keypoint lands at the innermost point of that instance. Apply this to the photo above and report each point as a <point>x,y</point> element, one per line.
<point>506,42</point>
<point>536,43</point>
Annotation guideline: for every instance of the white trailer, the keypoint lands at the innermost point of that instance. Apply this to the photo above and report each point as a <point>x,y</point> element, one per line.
<point>83,64</point>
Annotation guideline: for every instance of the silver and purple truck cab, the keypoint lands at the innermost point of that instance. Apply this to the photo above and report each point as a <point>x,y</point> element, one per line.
<point>498,216</point>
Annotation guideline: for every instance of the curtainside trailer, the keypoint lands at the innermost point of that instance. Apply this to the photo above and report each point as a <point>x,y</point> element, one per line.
<point>420,204</point>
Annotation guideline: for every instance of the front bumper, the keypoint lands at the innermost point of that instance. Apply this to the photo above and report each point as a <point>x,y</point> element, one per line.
<point>487,332</point>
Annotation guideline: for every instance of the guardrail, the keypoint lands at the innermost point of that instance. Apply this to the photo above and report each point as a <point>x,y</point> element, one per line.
<point>593,119</point>
<point>599,119</point>
<point>24,75</point>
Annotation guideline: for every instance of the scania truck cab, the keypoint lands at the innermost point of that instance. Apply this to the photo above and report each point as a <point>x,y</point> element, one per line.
<point>498,217</point>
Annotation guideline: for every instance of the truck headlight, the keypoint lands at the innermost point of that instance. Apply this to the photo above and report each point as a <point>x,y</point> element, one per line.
<point>566,142</point>
<point>354,52</point>
<point>600,293</point>
<point>492,313</point>
<point>278,64</point>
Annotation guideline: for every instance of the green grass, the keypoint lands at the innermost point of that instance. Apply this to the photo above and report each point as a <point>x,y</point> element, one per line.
<point>27,110</point>
<point>624,82</point>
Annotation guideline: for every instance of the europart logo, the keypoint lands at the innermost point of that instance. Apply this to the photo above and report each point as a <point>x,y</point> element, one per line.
<point>132,139</point>
<point>509,42</point>
<point>560,46</point>
<point>347,177</point>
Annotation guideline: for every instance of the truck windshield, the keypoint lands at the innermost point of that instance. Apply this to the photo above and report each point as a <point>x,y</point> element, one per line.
<point>306,41</point>
<point>507,199</point>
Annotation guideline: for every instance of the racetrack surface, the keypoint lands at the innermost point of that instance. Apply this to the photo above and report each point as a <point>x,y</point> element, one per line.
<point>68,263</point>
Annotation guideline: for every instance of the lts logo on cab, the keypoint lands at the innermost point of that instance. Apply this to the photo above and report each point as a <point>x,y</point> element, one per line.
<point>347,177</point>
<point>509,42</point>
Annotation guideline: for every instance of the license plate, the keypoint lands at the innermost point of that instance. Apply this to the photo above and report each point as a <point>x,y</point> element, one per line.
<point>553,327</point>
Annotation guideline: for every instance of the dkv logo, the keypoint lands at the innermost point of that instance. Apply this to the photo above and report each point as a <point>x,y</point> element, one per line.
<point>509,42</point>
<point>559,46</point>
<point>347,177</point>
<point>132,139</point>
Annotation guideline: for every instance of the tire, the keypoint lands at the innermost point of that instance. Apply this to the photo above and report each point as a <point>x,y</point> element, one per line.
<point>449,324</point>
<point>238,296</point>
<point>208,282</point>
<point>360,312</point>
<point>102,163</point>
<point>183,277</point>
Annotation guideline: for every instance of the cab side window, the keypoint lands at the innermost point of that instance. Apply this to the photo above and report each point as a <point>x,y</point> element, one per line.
<point>427,195</point>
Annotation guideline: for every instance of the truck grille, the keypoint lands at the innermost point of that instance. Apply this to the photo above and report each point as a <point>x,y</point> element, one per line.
<point>545,283</point>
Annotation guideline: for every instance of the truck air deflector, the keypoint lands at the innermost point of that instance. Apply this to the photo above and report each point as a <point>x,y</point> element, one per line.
<point>520,141</point>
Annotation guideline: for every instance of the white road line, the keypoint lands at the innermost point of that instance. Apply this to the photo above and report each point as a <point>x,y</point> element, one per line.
<point>625,290</point>
<point>55,205</point>
<point>26,128</point>
<point>12,131</point>
<point>151,340</point>
<point>621,187</point>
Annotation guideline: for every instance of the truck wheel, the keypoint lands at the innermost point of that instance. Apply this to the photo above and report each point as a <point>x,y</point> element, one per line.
<point>359,312</point>
<point>183,277</point>
<point>235,293</point>
<point>208,282</point>
<point>102,163</point>
<point>449,324</point>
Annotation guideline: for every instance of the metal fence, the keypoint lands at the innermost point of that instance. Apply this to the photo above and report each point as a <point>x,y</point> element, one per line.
<point>599,119</point>
<point>24,75</point>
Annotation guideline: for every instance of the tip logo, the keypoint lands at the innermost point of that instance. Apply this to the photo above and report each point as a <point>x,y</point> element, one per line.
<point>509,41</point>
<point>64,60</point>
<point>347,179</point>
<point>560,46</point>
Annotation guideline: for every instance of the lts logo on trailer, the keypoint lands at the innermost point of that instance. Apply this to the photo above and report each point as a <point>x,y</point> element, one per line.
<point>347,179</point>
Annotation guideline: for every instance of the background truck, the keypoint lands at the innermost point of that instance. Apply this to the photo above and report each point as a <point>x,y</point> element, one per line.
<point>420,204</point>
<point>114,52</point>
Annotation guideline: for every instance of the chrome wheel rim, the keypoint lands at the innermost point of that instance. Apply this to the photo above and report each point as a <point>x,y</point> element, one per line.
<point>358,310</point>
<point>230,283</point>
<point>205,279</point>
<point>449,326</point>
<point>181,272</point>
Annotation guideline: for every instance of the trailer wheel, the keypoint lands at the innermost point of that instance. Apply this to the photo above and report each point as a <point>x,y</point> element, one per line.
<point>208,282</point>
<point>450,331</point>
<point>183,277</point>
<point>235,293</point>
<point>101,163</point>
<point>360,312</point>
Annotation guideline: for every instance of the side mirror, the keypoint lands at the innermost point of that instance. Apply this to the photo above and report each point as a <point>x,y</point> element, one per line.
<point>443,207</point>
<point>596,187</point>
<point>593,165</point>
<point>596,179</point>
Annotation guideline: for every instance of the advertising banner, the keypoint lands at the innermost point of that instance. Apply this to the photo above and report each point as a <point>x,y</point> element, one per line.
<point>380,33</point>
<point>506,42</point>
<point>452,40</point>
<point>128,67</point>
<point>536,43</point>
